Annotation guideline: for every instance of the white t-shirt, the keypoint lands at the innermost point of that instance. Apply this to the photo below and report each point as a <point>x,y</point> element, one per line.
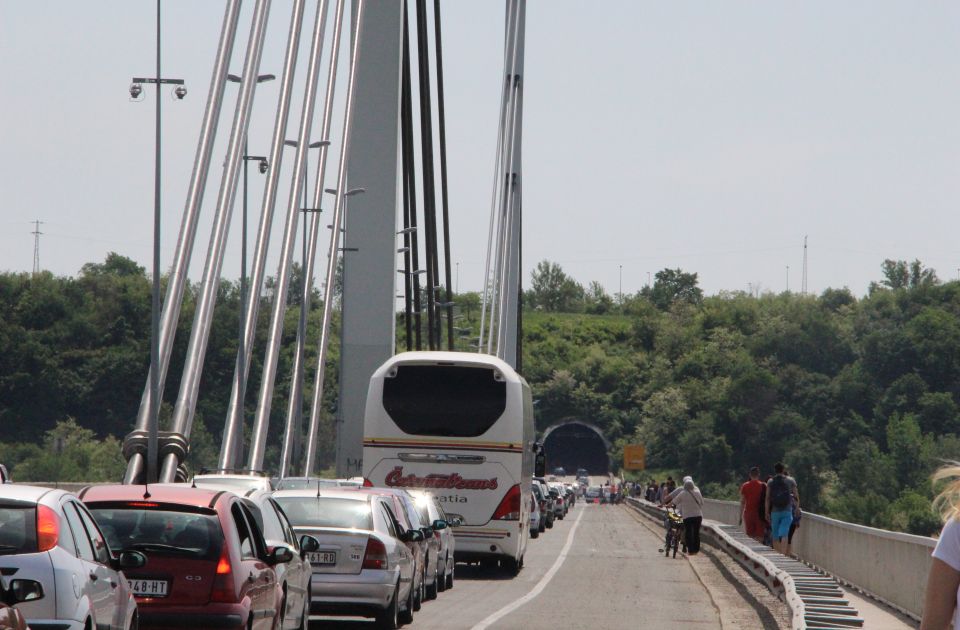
<point>948,550</point>
<point>689,503</point>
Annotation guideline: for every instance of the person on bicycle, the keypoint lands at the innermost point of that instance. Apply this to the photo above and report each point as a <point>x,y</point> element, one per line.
<point>689,501</point>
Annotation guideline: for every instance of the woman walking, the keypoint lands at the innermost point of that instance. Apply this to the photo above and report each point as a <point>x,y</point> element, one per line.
<point>689,501</point>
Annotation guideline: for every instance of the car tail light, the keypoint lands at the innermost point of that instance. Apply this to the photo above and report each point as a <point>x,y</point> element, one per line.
<point>367,483</point>
<point>224,589</point>
<point>48,528</point>
<point>375,557</point>
<point>509,508</point>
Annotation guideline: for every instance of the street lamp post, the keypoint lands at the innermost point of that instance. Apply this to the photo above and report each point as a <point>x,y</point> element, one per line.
<point>153,414</point>
<point>621,286</point>
<point>296,419</point>
<point>264,165</point>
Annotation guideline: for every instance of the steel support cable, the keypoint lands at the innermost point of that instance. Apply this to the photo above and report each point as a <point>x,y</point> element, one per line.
<point>407,187</point>
<point>507,197</point>
<point>185,407</point>
<point>295,403</point>
<point>486,302</point>
<point>230,451</point>
<point>258,444</point>
<point>442,128</point>
<point>410,181</point>
<point>497,297</point>
<point>176,282</point>
<point>335,233</point>
<point>426,157</point>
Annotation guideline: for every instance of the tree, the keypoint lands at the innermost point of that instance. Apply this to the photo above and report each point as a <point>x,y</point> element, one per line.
<point>552,290</point>
<point>898,274</point>
<point>674,285</point>
<point>596,300</point>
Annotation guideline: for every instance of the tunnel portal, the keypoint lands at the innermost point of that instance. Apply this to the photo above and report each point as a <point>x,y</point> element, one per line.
<point>575,444</point>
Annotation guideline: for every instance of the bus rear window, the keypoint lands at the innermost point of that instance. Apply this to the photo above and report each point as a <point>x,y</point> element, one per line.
<point>450,401</point>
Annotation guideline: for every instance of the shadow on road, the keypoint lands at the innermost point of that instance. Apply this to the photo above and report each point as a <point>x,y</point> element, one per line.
<point>477,572</point>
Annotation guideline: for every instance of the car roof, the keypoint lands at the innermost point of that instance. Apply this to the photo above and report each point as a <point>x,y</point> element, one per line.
<point>306,493</point>
<point>20,492</point>
<point>180,493</point>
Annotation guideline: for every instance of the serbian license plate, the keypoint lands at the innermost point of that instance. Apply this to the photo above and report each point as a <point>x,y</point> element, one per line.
<point>323,557</point>
<point>149,588</point>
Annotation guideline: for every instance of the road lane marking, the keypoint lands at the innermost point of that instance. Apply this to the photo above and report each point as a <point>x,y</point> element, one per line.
<point>542,584</point>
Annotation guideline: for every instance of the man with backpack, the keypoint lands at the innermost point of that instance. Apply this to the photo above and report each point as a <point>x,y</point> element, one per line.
<point>782,496</point>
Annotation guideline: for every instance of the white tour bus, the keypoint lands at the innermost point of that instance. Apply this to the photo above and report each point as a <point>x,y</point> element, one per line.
<point>461,426</point>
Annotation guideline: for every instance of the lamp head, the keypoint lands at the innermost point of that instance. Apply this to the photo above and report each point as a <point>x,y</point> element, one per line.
<point>136,90</point>
<point>180,92</point>
<point>264,166</point>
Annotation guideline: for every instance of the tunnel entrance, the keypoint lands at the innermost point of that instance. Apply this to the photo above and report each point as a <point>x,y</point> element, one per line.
<point>575,444</point>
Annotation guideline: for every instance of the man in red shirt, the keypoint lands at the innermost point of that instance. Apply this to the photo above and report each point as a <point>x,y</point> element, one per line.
<point>751,493</point>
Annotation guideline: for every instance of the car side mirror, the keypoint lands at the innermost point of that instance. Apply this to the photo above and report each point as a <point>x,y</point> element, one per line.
<point>25,591</point>
<point>280,554</point>
<point>130,560</point>
<point>439,524</point>
<point>455,521</point>
<point>308,544</point>
<point>426,531</point>
<point>412,535</point>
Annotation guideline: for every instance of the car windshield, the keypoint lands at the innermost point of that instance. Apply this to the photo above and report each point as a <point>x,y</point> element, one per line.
<point>18,529</point>
<point>162,531</point>
<point>327,512</point>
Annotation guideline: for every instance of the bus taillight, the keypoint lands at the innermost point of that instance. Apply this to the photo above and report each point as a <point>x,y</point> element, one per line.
<point>509,508</point>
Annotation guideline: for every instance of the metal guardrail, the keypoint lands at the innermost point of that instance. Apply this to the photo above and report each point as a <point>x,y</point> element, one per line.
<point>858,556</point>
<point>815,599</point>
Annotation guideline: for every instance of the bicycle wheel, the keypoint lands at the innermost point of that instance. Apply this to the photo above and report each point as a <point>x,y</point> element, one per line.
<point>669,543</point>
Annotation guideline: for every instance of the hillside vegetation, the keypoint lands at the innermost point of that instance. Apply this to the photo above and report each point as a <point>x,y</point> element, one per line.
<point>858,396</point>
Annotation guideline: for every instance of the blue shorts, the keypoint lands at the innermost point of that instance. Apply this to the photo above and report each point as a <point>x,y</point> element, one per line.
<point>780,523</point>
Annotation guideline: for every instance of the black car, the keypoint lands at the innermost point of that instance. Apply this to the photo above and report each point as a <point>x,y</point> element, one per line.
<point>559,471</point>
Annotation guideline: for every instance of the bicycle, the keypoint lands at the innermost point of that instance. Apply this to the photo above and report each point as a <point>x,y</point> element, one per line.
<point>674,536</point>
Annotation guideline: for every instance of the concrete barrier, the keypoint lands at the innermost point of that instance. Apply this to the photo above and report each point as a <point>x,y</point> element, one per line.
<point>890,566</point>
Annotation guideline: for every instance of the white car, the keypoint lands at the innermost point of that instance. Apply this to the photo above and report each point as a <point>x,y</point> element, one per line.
<point>363,566</point>
<point>237,482</point>
<point>535,516</point>
<point>49,536</point>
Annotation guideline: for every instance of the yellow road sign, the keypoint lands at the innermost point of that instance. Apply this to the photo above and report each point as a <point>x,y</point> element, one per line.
<point>635,457</point>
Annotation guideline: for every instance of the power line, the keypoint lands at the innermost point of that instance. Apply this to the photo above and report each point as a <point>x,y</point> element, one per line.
<point>36,245</point>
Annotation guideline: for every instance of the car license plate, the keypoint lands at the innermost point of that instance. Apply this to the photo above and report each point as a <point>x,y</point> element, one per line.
<point>149,588</point>
<point>323,557</point>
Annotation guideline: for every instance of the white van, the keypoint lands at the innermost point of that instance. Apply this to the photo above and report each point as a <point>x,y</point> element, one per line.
<point>460,425</point>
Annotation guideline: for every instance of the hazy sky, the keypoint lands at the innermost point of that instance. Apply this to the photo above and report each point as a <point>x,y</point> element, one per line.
<point>710,136</point>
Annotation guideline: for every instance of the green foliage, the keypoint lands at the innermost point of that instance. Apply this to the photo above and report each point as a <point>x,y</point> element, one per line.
<point>859,397</point>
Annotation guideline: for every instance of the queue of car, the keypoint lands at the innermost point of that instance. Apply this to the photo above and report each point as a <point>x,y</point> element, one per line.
<point>227,551</point>
<point>230,551</point>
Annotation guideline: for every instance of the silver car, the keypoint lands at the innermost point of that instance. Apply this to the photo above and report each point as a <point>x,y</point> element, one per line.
<point>49,536</point>
<point>442,532</point>
<point>362,567</point>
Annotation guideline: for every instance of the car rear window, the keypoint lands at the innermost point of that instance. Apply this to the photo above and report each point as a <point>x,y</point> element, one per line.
<point>451,401</point>
<point>188,533</point>
<point>326,512</point>
<point>18,529</point>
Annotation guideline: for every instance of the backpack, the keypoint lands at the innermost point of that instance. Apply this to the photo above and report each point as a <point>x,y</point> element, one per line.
<point>779,493</point>
<point>762,504</point>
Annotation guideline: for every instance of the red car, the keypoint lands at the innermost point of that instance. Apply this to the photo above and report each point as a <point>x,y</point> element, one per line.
<point>209,566</point>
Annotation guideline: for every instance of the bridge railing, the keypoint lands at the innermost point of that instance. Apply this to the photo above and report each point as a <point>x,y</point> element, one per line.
<point>891,566</point>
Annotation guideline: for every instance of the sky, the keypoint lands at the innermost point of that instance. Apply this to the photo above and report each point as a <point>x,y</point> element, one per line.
<point>702,135</point>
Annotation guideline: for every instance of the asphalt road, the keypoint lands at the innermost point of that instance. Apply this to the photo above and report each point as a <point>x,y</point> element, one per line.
<point>611,576</point>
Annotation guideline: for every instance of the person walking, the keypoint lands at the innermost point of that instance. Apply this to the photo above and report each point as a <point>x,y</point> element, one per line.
<point>751,495</point>
<point>689,502</point>
<point>943,580</point>
<point>779,508</point>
